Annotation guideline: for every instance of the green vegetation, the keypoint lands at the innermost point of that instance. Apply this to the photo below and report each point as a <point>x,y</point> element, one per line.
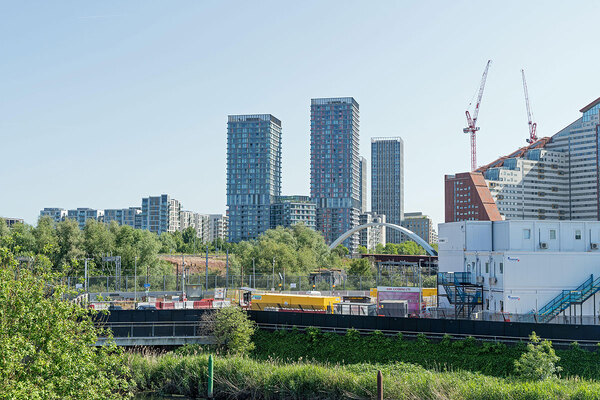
<point>47,342</point>
<point>539,361</point>
<point>63,246</point>
<point>297,250</point>
<point>232,330</point>
<point>493,359</point>
<point>238,377</point>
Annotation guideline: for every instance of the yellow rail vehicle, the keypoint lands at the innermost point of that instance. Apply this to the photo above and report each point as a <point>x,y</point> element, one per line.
<point>306,303</point>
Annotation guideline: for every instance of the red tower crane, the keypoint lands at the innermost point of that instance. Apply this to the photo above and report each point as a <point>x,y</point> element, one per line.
<point>532,125</point>
<point>472,128</point>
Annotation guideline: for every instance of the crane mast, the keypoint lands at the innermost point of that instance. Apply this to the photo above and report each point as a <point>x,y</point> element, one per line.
<point>472,127</point>
<point>532,125</point>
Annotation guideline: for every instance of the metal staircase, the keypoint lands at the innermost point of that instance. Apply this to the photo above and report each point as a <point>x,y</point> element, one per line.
<point>567,298</point>
<point>465,296</point>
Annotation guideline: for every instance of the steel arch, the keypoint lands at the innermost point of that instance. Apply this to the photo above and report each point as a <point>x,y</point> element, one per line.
<point>399,228</point>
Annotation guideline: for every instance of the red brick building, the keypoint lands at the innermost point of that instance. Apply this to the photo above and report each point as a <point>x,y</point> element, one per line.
<point>467,197</point>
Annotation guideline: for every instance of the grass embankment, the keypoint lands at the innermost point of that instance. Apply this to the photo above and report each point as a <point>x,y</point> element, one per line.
<point>237,377</point>
<point>493,359</point>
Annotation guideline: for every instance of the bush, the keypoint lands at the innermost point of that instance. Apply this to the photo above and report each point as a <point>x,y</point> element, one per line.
<point>231,328</point>
<point>539,361</point>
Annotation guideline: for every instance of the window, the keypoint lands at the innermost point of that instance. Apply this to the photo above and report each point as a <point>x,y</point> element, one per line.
<point>577,234</point>
<point>501,268</point>
<point>526,233</point>
<point>501,306</point>
<point>487,267</point>
<point>487,304</point>
<point>552,234</point>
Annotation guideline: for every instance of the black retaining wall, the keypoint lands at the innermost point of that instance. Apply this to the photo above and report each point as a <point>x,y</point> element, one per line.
<point>424,325</point>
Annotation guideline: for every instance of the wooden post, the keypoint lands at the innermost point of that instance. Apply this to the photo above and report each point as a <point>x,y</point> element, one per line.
<point>209,384</point>
<point>379,386</point>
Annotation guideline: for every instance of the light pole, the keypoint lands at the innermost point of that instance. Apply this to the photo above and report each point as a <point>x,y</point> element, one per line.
<point>253,274</point>
<point>135,282</point>
<point>420,288</point>
<point>273,285</point>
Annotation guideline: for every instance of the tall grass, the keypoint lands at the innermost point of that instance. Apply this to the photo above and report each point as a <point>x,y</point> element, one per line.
<point>244,378</point>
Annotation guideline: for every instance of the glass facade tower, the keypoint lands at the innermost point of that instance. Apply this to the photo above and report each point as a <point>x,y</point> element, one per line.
<point>334,166</point>
<point>253,173</point>
<point>387,182</point>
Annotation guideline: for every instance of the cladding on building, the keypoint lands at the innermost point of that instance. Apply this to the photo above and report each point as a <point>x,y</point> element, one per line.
<point>555,178</point>
<point>160,214</point>
<point>218,226</point>
<point>334,166</point>
<point>82,214</point>
<point>124,216</point>
<point>373,235</point>
<point>420,224</point>
<point>387,182</point>
<point>293,210</point>
<point>253,173</point>
<point>363,185</point>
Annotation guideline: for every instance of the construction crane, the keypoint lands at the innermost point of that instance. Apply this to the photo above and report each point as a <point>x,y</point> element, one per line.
<point>532,125</point>
<point>472,128</point>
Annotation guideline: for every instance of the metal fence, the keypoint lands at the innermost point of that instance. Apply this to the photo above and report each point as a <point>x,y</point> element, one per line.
<point>300,283</point>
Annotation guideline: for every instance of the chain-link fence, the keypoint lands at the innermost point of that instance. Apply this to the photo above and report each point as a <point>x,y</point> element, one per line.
<point>299,283</point>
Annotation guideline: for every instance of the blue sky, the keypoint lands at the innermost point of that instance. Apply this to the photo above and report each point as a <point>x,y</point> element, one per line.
<point>104,102</point>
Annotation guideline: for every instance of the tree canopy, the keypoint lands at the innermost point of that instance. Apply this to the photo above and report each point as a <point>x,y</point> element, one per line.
<point>296,250</point>
<point>47,342</point>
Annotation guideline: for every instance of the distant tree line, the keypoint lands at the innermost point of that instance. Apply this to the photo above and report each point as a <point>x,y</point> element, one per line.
<point>63,247</point>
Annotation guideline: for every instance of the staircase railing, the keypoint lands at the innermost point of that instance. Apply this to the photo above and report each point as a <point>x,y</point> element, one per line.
<point>568,297</point>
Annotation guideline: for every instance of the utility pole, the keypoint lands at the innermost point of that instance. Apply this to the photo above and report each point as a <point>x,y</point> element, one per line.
<point>206,284</point>
<point>227,270</point>
<point>273,285</point>
<point>420,288</point>
<point>135,282</point>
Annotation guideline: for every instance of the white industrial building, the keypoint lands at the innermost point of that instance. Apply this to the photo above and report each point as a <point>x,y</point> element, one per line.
<point>521,266</point>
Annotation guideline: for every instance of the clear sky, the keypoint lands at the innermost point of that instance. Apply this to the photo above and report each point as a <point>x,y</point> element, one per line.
<point>105,102</point>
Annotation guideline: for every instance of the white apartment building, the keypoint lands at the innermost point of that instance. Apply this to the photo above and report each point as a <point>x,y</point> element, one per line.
<point>200,222</point>
<point>218,227</point>
<point>57,214</point>
<point>521,266</point>
<point>373,235</point>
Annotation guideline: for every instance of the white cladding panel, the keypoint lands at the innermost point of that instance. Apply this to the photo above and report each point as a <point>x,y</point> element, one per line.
<point>531,261</point>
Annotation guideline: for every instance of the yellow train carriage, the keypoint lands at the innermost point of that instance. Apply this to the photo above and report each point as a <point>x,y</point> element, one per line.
<point>280,301</point>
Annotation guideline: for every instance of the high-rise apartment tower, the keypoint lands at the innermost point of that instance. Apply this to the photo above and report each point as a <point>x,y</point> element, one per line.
<point>253,173</point>
<point>335,166</point>
<point>387,182</point>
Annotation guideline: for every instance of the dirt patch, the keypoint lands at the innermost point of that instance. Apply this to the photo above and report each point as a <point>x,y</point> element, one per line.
<point>196,264</point>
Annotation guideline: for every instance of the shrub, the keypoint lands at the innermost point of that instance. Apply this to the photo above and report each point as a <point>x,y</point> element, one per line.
<point>539,361</point>
<point>231,328</point>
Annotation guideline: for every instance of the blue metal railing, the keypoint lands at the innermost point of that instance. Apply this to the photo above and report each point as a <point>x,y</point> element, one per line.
<point>453,285</point>
<point>568,297</point>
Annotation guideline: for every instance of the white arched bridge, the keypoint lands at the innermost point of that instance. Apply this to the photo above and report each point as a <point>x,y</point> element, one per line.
<point>430,250</point>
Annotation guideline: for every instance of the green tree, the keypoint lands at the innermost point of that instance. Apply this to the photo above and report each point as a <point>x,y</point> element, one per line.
<point>362,250</point>
<point>23,241</point>
<point>231,328</point>
<point>296,250</point>
<point>341,251</point>
<point>46,241</point>
<point>539,361</point>
<point>98,241</point>
<point>47,342</point>
<point>360,266</point>
<point>168,244</point>
<point>70,244</point>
